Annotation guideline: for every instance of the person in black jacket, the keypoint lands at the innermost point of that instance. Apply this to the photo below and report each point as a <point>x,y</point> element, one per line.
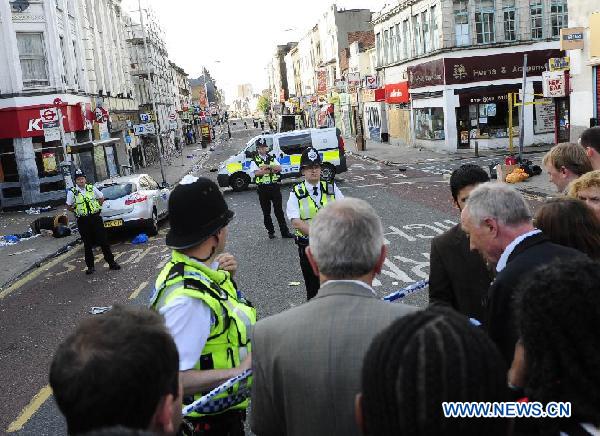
<point>459,277</point>
<point>497,220</point>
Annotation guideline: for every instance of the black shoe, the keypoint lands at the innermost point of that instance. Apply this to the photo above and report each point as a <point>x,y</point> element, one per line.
<point>114,266</point>
<point>271,235</point>
<point>287,235</point>
<point>89,271</point>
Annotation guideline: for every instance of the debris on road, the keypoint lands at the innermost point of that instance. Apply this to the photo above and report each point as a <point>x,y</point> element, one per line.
<point>22,252</point>
<point>142,238</point>
<point>99,310</point>
<point>37,210</point>
<point>294,284</point>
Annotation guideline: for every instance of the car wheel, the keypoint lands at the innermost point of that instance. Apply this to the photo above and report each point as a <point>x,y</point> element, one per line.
<point>239,182</point>
<point>327,172</point>
<point>153,225</point>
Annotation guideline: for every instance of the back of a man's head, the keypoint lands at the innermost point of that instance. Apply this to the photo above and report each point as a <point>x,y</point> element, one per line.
<point>346,239</point>
<point>591,138</point>
<point>499,201</point>
<point>466,175</point>
<point>115,370</point>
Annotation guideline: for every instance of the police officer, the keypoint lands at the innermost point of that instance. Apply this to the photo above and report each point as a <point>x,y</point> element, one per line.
<point>266,171</point>
<point>85,201</point>
<point>305,201</point>
<point>208,317</point>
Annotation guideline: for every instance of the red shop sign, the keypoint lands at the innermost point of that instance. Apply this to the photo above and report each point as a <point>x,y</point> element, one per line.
<point>397,93</point>
<point>26,122</point>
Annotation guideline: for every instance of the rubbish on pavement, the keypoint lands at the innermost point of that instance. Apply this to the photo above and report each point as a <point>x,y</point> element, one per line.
<point>142,238</point>
<point>294,284</point>
<point>517,175</point>
<point>96,310</point>
<point>11,239</point>
<point>22,252</point>
<point>37,210</point>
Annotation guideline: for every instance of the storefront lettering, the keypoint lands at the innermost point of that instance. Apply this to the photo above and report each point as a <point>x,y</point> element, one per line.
<point>35,125</point>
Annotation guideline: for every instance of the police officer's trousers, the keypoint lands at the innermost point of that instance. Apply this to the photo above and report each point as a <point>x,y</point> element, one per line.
<point>91,229</point>
<point>267,194</point>
<point>311,281</point>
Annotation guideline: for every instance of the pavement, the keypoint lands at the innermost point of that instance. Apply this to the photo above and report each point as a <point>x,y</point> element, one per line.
<point>27,255</point>
<point>443,162</point>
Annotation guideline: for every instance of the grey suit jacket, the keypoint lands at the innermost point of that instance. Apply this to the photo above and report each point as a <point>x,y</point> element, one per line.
<point>307,361</point>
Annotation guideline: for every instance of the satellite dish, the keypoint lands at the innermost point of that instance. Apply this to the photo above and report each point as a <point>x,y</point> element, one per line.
<point>19,5</point>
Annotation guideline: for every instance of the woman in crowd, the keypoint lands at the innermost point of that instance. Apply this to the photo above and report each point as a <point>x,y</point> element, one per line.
<point>587,189</point>
<point>570,222</point>
<point>422,360</point>
<point>558,356</point>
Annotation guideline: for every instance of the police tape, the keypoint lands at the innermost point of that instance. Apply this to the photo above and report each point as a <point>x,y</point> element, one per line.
<point>208,404</point>
<point>406,291</point>
<point>202,404</point>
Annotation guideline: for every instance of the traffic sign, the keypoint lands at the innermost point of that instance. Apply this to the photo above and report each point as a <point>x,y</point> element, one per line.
<point>144,118</point>
<point>144,129</point>
<point>49,115</point>
<point>172,116</point>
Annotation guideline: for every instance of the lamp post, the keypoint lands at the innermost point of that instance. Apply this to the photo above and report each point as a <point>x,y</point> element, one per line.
<point>152,96</point>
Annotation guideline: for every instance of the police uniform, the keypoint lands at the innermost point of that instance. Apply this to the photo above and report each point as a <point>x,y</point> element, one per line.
<point>304,203</point>
<point>209,318</point>
<point>86,207</point>
<point>269,192</point>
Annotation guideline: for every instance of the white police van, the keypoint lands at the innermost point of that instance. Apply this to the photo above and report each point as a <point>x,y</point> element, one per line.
<point>288,148</point>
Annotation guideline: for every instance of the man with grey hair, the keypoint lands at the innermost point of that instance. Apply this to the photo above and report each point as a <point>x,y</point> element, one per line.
<point>497,220</point>
<point>307,360</point>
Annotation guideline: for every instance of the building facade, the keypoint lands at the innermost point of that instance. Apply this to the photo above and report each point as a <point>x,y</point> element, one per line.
<point>584,74</point>
<point>64,79</point>
<point>448,67</point>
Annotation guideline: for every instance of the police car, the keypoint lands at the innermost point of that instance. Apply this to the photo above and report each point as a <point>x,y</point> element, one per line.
<point>287,147</point>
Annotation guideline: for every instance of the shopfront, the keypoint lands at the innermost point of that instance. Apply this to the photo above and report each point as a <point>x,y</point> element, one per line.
<point>375,115</point>
<point>397,99</point>
<point>457,101</point>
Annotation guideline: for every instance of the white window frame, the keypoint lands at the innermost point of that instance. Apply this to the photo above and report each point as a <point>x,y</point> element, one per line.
<point>35,83</point>
<point>485,21</point>
<point>425,28</point>
<point>537,32</point>
<point>507,10</point>
<point>461,38</point>
<point>563,15</point>
<point>435,30</point>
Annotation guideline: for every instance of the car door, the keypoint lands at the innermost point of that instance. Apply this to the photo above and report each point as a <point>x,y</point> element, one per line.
<point>161,196</point>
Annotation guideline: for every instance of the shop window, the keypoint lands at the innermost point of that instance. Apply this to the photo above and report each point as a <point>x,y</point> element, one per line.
<point>508,11</point>
<point>484,22</point>
<point>559,17</point>
<point>32,57</point>
<point>535,12</point>
<point>48,156</point>
<point>53,186</point>
<point>429,123</point>
<point>543,116</point>
<point>461,22</point>
<point>490,120</point>
<point>9,171</point>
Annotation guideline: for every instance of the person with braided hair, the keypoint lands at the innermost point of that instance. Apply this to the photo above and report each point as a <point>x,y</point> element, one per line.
<point>421,361</point>
<point>558,356</point>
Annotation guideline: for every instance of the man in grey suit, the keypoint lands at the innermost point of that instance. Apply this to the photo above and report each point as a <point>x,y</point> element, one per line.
<point>307,361</point>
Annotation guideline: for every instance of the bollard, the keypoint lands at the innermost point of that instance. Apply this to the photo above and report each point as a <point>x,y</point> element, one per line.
<point>476,148</point>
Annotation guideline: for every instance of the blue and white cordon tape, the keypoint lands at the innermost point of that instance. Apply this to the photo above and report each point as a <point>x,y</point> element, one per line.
<point>208,403</point>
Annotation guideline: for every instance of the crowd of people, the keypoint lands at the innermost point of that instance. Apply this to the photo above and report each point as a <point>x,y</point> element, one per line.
<point>514,316</point>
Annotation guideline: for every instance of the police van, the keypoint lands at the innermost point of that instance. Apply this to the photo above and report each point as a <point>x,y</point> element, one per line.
<point>287,147</point>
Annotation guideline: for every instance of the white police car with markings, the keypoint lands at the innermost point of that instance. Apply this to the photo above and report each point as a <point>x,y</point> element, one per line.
<point>287,147</point>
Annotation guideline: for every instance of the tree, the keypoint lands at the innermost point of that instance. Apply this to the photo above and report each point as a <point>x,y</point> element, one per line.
<point>263,104</point>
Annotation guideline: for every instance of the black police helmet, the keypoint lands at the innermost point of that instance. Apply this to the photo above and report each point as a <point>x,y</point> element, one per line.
<point>310,156</point>
<point>79,173</point>
<point>197,210</point>
<point>261,142</point>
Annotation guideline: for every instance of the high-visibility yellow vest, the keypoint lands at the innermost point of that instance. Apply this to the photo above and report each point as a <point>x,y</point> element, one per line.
<point>268,178</point>
<point>85,203</point>
<point>308,206</point>
<point>229,341</point>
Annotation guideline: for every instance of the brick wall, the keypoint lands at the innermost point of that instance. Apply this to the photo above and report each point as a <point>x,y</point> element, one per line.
<point>366,39</point>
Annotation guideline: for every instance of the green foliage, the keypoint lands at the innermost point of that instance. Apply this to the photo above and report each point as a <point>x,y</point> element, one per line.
<point>263,104</point>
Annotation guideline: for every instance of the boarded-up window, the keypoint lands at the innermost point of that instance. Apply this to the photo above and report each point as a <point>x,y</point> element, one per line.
<point>33,59</point>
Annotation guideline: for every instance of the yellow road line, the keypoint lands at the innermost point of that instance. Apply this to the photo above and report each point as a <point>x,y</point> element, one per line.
<point>35,273</point>
<point>139,289</point>
<point>33,406</point>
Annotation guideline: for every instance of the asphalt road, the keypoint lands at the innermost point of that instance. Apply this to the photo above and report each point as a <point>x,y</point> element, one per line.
<point>414,205</point>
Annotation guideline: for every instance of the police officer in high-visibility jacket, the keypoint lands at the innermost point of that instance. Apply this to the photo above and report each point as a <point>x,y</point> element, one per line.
<point>266,170</point>
<point>306,199</point>
<point>85,201</point>
<point>209,318</point>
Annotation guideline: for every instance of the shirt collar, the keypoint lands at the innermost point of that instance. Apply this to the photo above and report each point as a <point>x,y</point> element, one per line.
<point>511,247</point>
<point>356,282</point>
<point>215,275</point>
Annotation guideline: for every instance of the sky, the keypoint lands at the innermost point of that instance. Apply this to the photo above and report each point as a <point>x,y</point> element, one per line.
<point>235,39</point>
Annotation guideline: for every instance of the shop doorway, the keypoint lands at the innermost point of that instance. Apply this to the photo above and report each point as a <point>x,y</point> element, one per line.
<point>562,120</point>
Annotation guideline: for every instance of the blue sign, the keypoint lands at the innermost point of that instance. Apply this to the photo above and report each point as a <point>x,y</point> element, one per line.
<point>127,139</point>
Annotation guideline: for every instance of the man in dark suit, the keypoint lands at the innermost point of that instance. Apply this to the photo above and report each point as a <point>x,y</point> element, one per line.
<point>459,277</point>
<point>497,220</point>
<point>307,361</point>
